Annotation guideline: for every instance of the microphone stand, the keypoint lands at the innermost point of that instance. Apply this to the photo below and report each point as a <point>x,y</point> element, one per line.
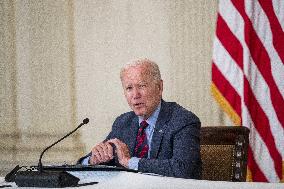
<point>50,179</point>
<point>85,121</point>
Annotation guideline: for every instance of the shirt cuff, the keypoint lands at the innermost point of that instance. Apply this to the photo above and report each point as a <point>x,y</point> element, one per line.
<point>85,161</point>
<point>133,163</point>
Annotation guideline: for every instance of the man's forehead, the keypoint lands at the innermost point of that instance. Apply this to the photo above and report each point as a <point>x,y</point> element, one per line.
<point>131,79</point>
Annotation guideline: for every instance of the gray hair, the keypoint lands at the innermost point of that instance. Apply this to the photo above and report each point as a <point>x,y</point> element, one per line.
<point>152,67</point>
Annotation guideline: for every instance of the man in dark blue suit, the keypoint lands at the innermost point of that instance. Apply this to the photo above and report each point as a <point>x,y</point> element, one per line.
<point>168,144</point>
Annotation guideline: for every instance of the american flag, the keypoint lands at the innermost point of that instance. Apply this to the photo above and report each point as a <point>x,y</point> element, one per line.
<point>248,79</point>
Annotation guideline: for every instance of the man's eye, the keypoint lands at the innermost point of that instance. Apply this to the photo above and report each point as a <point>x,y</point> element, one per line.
<point>128,88</point>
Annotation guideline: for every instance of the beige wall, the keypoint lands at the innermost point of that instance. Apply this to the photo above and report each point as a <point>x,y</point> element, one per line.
<point>37,82</point>
<point>60,63</point>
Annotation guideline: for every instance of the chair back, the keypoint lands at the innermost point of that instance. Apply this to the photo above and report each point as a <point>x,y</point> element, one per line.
<point>224,152</point>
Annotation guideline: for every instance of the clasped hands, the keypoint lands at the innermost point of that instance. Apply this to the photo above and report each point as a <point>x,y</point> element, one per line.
<point>103,152</point>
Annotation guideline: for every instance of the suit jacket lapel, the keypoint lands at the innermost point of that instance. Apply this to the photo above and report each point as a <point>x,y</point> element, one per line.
<point>160,128</point>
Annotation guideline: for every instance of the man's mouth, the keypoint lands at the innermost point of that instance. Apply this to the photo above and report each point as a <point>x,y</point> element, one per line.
<point>138,105</point>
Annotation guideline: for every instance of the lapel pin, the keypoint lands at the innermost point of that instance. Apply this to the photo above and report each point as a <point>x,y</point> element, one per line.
<point>161,131</point>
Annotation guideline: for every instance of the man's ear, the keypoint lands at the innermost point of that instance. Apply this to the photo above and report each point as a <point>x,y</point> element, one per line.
<point>161,86</point>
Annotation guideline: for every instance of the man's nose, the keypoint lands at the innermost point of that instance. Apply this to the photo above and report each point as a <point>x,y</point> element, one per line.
<point>136,93</point>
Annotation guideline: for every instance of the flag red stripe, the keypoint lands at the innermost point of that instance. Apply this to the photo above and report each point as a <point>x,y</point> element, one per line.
<point>226,89</point>
<point>257,175</point>
<point>261,124</point>
<point>262,61</point>
<point>278,34</point>
<point>229,41</point>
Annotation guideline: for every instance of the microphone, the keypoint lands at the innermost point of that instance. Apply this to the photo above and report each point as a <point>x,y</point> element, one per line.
<point>42,178</point>
<point>85,121</point>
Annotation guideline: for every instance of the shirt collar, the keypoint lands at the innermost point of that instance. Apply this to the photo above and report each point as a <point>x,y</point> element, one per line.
<point>153,118</point>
